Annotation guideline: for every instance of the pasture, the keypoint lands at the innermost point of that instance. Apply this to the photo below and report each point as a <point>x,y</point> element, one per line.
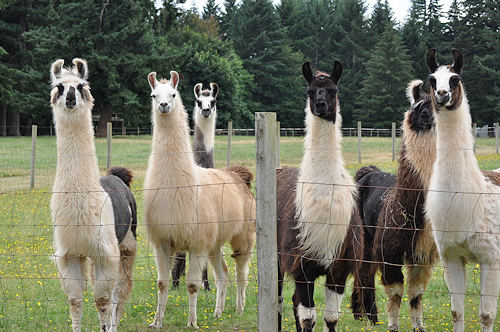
<point>31,297</point>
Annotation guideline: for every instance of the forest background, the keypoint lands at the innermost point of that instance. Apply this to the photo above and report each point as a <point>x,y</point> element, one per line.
<point>253,49</point>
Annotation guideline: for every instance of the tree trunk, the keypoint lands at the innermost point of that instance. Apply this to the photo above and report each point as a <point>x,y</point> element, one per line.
<point>13,129</point>
<point>3,120</point>
<point>104,118</point>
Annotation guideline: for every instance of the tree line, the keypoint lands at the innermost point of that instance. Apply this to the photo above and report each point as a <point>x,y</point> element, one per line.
<point>253,49</point>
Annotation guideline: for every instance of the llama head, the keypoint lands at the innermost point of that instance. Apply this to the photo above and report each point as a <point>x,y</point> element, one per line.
<point>322,91</point>
<point>206,100</point>
<point>446,83</point>
<point>163,92</point>
<point>70,89</point>
<point>419,117</point>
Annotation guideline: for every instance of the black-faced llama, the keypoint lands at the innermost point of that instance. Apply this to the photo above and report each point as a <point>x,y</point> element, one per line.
<point>94,218</point>
<point>463,205</point>
<point>205,116</point>
<point>193,209</point>
<point>319,228</point>
<point>392,209</point>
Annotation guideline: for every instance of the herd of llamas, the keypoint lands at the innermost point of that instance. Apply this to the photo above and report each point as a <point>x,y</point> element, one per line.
<point>439,204</point>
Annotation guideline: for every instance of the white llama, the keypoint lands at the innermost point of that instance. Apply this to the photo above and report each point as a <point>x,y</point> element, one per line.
<point>194,209</point>
<point>94,219</point>
<point>462,204</point>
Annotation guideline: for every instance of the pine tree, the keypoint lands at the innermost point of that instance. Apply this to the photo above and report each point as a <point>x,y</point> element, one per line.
<point>211,9</point>
<point>414,34</point>
<point>435,35</point>
<point>380,18</point>
<point>388,71</point>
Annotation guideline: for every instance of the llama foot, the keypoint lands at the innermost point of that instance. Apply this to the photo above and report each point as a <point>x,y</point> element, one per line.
<point>206,285</point>
<point>240,310</point>
<point>218,312</point>
<point>156,324</point>
<point>420,329</point>
<point>192,322</point>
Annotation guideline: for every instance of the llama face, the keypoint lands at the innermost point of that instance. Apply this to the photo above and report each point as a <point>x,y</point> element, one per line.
<point>163,92</point>
<point>445,81</point>
<point>206,100</point>
<point>420,116</point>
<point>322,91</point>
<point>70,88</point>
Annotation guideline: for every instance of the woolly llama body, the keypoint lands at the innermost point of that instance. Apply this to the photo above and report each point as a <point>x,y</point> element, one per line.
<point>318,224</point>
<point>94,219</point>
<point>193,209</point>
<point>396,231</point>
<point>205,116</point>
<point>462,204</point>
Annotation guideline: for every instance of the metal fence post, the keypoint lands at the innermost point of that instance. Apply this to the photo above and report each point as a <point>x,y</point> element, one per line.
<point>278,134</point>
<point>474,126</point>
<point>34,130</point>
<point>393,135</point>
<point>359,142</point>
<point>267,258</point>
<point>109,134</point>
<point>229,135</point>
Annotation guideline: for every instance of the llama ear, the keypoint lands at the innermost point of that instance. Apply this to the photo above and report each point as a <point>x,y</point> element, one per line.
<point>431,60</point>
<point>152,80</point>
<point>414,90</point>
<point>307,72</point>
<point>81,68</point>
<point>174,79</point>
<point>458,61</point>
<point>55,70</point>
<point>215,89</point>
<point>197,89</point>
<point>337,72</point>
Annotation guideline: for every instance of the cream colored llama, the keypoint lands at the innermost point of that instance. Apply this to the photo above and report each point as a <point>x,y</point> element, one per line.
<point>94,219</point>
<point>194,209</point>
<point>462,204</point>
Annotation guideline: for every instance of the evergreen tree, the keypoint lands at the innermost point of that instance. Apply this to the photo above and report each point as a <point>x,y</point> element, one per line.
<point>211,9</point>
<point>388,71</point>
<point>261,42</point>
<point>380,18</point>
<point>227,17</point>
<point>435,35</point>
<point>414,34</point>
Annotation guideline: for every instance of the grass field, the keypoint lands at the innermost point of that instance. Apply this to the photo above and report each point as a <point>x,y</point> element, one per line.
<point>31,297</point>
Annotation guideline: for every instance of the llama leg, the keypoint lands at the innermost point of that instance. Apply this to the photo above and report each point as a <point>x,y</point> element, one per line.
<point>490,286</point>
<point>164,264</point>
<point>242,264</point>
<point>106,273</point>
<point>179,268</point>
<point>197,260</point>
<point>72,276</point>
<point>124,286</point>
<point>206,285</point>
<point>455,276</point>
<point>418,278</point>
<point>334,293</point>
<point>221,277</point>
<point>305,312</point>
<point>392,279</point>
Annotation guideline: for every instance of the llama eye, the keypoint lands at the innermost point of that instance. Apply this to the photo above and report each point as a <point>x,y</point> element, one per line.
<point>173,96</point>
<point>199,103</point>
<point>60,89</point>
<point>152,95</point>
<point>432,80</point>
<point>454,80</point>
<point>212,103</point>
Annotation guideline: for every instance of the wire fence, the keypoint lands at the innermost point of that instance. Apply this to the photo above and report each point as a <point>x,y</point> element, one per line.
<point>31,294</point>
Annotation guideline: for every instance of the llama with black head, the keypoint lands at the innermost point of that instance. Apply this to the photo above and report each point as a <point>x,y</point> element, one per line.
<point>319,231</point>
<point>463,203</point>
<point>205,116</point>
<point>392,209</point>
<point>94,218</point>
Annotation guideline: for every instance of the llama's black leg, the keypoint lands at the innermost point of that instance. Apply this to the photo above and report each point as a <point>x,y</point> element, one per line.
<point>303,306</point>
<point>334,293</point>
<point>179,268</point>
<point>206,285</point>
<point>392,278</point>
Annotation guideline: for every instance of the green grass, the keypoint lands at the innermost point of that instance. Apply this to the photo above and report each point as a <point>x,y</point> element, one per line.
<point>31,297</point>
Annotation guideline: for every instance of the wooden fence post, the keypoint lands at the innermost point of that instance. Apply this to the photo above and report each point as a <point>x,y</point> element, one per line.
<point>34,130</point>
<point>497,133</point>
<point>359,142</point>
<point>267,258</point>
<point>474,126</point>
<point>393,135</point>
<point>278,135</point>
<point>109,134</point>
<point>229,135</point>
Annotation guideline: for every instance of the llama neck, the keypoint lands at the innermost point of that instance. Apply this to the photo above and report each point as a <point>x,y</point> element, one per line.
<point>77,167</point>
<point>204,133</point>
<point>419,149</point>
<point>171,150</point>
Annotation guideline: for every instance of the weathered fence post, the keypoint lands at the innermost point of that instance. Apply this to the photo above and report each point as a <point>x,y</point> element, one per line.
<point>109,134</point>
<point>34,130</point>
<point>138,131</point>
<point>124,129</point>
<point>267,258</point>
<point>51,130</point>
<point>278,135</point>
<point>497,133</point>
<point>229,135</point>
<point>474,126</point>
<point>393,135</point>
<point>359,142</point>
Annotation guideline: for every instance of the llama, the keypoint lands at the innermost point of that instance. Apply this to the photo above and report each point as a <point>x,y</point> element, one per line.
<point>205,116</point>
<point>193,209</point>
<point>463,204</point>
<point>94,219</point>
<point>319,228</point>
<point>396,231</point>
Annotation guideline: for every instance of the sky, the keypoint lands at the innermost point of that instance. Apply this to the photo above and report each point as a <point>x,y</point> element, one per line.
<point>399,7</point>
